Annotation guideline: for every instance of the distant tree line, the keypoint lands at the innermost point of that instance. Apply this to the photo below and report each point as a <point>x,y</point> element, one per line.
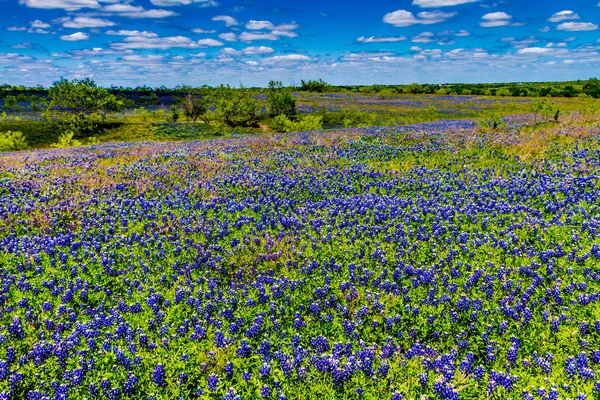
<point>148,96</point>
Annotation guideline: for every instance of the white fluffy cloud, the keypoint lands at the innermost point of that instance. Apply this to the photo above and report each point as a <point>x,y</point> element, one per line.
<point>137,42</point>
<point>86,22</point>
<point>257,25</point>
<point>75,37</point>
<point>424,37</point>
<point>563,16</point>
<point>253,36</point>
<point>228,37</point>
<point>288,58</point>
<point>440,3</point>
<point>39,24</point>
<point>229,21</point>
<point>69,5</point>
<point>535,50</point>
<point>129,11</point>
<point>257,50</point>
<point>169,3</point>
<point>381,39</point>
<point>200,30</point>
<point>495,19</point>
<point>402,18</point>
<point>577,26</point>
<point>132,33</point>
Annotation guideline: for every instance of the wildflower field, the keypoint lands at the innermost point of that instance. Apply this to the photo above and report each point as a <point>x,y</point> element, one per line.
<point>435,260</point>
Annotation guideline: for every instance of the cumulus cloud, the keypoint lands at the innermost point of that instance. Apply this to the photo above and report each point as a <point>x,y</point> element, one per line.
<point>461,33</point>
<point>131,33</point>
<point>495,19</point>
<point>440,3</point>
<point>169,3</point>
<point>200,30</point>
<point>255,50</point>
<point>136,42</point>
<point>129,11</point>
<point>424,37</point>
<point>535,50</point>
<point>253,36</point>
<point>75,37</point>
<point>228,37</point>
<point>209,43</point>
<point>86,22</point>
<point>257,25</point>
<point>39,24</point>
<point>68,5</point>
<point>402,18</point>
<point>229,21</point>
<point>16,28</point>
<point>381,39</point>
<point>563,16</point>
<point>288,58</point>
<point>577,26</point>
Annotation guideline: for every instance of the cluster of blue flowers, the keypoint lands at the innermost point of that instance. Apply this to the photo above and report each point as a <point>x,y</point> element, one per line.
<point>301,266</point>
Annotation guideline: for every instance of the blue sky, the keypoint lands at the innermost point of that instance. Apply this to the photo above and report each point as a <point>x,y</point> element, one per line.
<point>171,42</point>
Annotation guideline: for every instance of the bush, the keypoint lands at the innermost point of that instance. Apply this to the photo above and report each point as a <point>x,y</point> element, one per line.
<point>235,106</point>
<point>66,140</point>
<point>280,100</point>
<point>12,141</point>
<point>281,123</point>
<point>195,107</point>
<point>493,124</point>
<point>80,106</point>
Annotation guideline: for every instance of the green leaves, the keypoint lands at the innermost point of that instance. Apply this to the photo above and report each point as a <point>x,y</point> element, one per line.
<point>12,141</point>
<point>280,100</point>
<point>80,106</point>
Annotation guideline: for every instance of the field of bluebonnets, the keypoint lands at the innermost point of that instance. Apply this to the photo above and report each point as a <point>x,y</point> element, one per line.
<point>440,260</point>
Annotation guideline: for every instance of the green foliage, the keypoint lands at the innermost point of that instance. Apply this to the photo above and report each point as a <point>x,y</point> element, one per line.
<point>546,109</point>
<point>280,100</point>
<point>352,118</point>
<point>66,140</point>
<point>235,106</point>
<point>142,113</point>
<point>79,106</point>
<point>3,116</point>
<point>12,141</point>
<point>195,106</point>
<point>10,103</point>
<point>174,116</point>
<point>281,123</point>
<point>493,124</point>
<point>319,86</point>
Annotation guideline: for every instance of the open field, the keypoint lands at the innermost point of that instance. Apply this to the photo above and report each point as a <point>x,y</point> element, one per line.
<point>442,259</point>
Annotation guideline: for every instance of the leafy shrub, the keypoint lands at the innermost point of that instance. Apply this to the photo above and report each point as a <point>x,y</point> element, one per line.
<point>12,141</point>
<point>493,124</point>
<point>235,106</point>
<point>80,106</point>
<point>280,100</point>
<point>281,123</point>
<point>66,140</point>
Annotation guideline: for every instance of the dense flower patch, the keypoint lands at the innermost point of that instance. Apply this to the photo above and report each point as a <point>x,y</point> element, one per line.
<point>369,263</point>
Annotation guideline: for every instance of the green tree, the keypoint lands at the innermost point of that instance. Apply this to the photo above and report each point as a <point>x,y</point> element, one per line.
<point>195,105</point>
<point>235,106</point>
<point>280,100</point>
<point>10,102</point>
<point>12,141</point>
<point>80,106</point>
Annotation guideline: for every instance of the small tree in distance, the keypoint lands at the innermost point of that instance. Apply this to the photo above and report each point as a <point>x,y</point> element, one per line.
<point>195,105</point>
<point>280,100</point>
<point>80,106</point>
